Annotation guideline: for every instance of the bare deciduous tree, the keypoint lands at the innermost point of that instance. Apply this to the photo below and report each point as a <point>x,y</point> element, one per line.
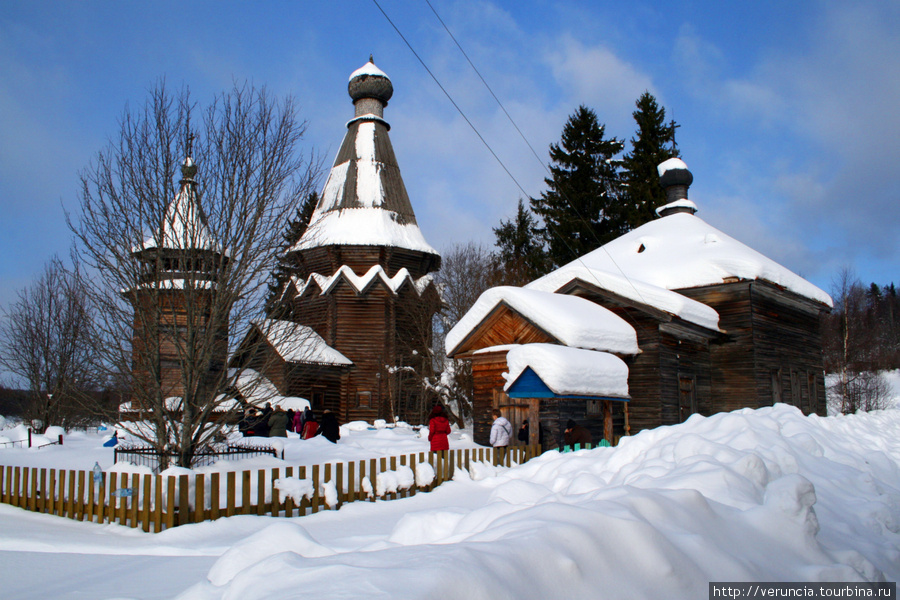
<point>467,270</point>
<point>47,341</point>
<point>851,349</point>
<point>178,269</point>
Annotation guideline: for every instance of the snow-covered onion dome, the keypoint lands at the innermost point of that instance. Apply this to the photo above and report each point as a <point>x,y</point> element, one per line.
<point>370,88</point>
<point>675,178</point>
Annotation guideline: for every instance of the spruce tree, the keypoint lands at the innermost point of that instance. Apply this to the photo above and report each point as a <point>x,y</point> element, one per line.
<point>280,275</point>
<point>654,143</point>
<point>580,209</point>
<point>522,253</point>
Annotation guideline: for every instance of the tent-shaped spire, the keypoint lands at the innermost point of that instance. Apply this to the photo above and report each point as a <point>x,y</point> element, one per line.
<point>364,202</point>
<point>183,226</point>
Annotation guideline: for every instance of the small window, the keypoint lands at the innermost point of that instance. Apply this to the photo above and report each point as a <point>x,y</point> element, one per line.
<point>594,407</point>
<point>364,399</point>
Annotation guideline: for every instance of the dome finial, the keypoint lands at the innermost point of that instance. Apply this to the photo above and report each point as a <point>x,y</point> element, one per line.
<point>371,59</point>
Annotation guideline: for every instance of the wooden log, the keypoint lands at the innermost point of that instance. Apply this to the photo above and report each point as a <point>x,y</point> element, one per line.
<point>261,494</point>
<point>276,495</point>
<point>70,496</point>
<point>326,478</point>
<point>33,492</point>
<point>289,501</point>
<point>148,501</point>
<point>351,482</point>
<point>158,507</point>
<point>214,496</point>
<point>304,503</point>
<point>79,505</point>
<point>92,485</point>
<point>42,499</point>
<point>339,483</point>
<point>245,493</point>
<point>316,498</point>
<point>51,493</point>
<point>184,500</point>
<point>123,501</point>
<point>17,474</point>
<point>170,502</point>
<point>199,498</point>
<point>230,489</point>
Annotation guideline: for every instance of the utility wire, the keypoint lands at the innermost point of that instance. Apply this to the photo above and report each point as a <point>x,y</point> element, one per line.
<point>494,154</point>
<point>446,93</point>
<point>477,72</point>
<point>546,168</point>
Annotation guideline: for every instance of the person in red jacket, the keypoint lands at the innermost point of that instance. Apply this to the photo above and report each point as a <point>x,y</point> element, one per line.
<point>438,429</point>
<point>310,427</point>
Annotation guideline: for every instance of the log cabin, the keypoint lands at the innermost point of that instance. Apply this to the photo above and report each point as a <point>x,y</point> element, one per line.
<point>718,327</point>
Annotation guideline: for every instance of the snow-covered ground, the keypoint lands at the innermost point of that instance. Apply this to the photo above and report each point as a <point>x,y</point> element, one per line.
<point>747,496</point>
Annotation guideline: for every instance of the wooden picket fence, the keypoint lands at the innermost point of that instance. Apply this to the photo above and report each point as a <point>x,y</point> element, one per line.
<point>157,502</point>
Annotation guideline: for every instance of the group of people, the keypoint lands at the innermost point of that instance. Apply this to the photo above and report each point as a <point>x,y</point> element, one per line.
<point>276,422</point>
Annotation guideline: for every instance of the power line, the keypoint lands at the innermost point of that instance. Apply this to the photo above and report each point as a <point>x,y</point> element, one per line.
<point>494,154</point>
<point>446,93</point>
<point>546,168</point>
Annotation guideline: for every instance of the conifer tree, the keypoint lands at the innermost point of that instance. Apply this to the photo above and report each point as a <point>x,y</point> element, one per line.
<point>295,230</point>
<point>654,143</point>
<point>522,255</point>
<point>580,209</point>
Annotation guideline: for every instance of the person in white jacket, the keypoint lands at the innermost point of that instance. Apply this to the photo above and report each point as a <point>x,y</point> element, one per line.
<point>501,433</point>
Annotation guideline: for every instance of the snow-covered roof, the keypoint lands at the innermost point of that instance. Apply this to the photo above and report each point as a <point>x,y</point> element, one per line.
<point>368,69</point>
<point>662,299</point>
<point>360,283</point>
<point>298,343</point>
<point>571,320</point>
<point>184,225</point>
<point>683,251</point>
<point>668,165</point>
<point>362,227</point>
<point>364,201</point>
<point>257,389</point>
<point>570,371</point>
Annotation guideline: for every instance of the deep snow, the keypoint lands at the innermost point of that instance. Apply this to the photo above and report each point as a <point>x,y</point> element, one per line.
<point>752,495</point>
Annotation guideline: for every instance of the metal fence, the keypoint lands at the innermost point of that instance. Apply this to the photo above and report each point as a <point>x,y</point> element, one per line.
<point>151,457</point>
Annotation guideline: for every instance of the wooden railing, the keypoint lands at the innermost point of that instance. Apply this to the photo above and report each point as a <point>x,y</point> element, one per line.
<point>157,502</point>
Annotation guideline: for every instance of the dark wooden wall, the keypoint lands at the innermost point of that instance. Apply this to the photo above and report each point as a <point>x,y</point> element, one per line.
<point>770,333</point>
<point>488,382</point>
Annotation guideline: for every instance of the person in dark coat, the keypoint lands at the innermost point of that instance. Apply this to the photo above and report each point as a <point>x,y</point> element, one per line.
<point>576,434</point>
<point>523,432</point>
<point>438,429</point>
<point>244,423</point>
<point>329,428</point>
<point>261,425</point>
<point>278,422</point>
<point>310,426</point>
<point>290,416</point>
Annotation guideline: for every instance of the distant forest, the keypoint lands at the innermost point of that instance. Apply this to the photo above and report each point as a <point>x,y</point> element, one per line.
<point>862,332</point>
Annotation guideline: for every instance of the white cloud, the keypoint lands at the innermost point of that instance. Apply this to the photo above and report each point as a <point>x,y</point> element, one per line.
<point>596,76</point>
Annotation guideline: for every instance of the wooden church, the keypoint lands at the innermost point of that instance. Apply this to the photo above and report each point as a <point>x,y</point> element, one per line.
<point>354,327</point>
<point>717,326</point>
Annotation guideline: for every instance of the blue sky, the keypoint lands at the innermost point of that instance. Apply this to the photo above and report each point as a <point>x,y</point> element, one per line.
<point>788,110</point>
